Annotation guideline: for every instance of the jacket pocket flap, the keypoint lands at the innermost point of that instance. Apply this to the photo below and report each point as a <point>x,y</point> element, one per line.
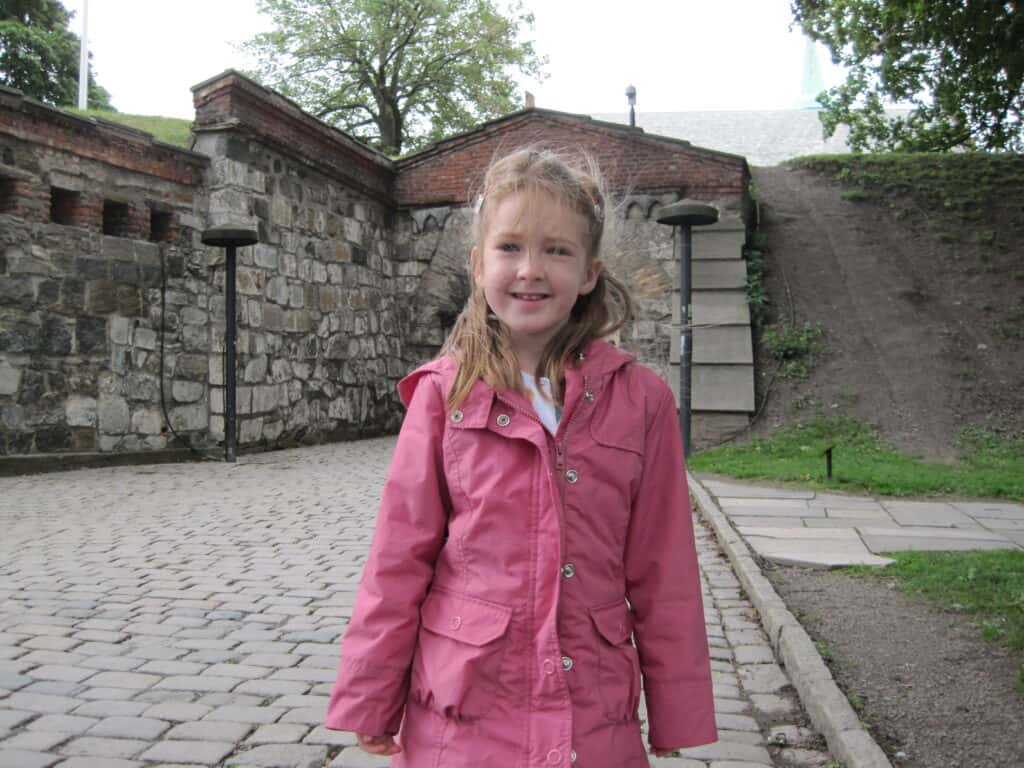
<point>466,619</point>
<point>614,622</point>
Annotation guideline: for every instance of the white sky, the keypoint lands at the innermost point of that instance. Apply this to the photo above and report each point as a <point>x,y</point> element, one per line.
<point>680,55</point>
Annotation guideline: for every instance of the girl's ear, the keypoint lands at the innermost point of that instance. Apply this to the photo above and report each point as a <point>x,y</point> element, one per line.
<point>590,279</point>
<point>474,263</point>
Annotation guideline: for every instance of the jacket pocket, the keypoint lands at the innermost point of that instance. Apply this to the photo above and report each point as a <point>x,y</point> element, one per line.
<point>456,669</point>
<point>618,666</point>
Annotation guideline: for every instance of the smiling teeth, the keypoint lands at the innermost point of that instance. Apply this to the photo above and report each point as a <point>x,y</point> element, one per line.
<point>530,296</point>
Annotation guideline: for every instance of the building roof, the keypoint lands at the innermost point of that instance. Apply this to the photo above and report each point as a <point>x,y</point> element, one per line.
<point>765,137</point>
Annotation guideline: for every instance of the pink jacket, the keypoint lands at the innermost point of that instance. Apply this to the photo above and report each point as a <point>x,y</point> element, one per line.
<point>512,571</point>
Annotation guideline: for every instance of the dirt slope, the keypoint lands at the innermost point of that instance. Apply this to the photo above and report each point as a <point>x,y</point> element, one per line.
<point>920,334</point>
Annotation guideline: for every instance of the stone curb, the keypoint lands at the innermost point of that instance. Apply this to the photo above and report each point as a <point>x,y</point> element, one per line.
<point>829,710</point>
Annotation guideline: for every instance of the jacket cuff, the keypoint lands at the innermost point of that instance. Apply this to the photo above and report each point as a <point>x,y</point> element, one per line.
<point>366,700</point>
<point>680,714</point>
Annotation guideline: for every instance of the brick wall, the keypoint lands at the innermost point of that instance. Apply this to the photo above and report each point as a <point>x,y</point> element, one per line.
<point>631,161</point>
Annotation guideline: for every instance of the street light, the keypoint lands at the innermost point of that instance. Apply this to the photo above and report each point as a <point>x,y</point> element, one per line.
<point>229,238</point>
<point>686,214</point>
<point>631,96</point>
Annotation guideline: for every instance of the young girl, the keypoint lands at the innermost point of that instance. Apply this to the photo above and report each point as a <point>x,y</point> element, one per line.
<point>535,521</point>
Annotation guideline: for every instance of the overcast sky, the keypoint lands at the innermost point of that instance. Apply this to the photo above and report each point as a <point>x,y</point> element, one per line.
<point>681,55</point>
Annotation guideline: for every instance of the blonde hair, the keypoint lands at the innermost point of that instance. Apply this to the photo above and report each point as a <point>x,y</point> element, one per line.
<point>479,343</point>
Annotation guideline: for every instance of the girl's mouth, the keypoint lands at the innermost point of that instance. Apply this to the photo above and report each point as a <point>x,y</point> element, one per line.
<point>530,296</point>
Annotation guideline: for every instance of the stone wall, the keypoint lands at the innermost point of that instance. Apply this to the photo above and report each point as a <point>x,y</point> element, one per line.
<point>94,213</point>
<point>359,272</point>
<point>320,326</point>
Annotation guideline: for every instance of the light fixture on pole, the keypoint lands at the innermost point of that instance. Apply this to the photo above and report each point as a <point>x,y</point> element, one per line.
<point>686,214</point>
<point>229,238</point>
<point>83,59</point>
<point>631,96</point>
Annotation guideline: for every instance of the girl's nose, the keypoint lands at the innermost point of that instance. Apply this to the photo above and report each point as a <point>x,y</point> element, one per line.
<point>531,265</point>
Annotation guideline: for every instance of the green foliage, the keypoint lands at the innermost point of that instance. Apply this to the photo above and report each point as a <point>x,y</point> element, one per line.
<point>39,55</point>
<point>757,295</point>
<point>967,185</point>
<point>987,584</point>
<point>396,73</point>
<point>793,347</point>
<point>170,130</point>
<point>959,64</point>
<point>990,465</point>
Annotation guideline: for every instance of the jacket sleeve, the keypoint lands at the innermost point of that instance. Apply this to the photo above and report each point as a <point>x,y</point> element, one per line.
<point>370,691</point>
<point>663,588</point>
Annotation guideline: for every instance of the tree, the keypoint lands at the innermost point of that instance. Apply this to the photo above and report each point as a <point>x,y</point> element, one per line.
<point>39,55</point>
<point>958,63</point>
<point>395,73</point>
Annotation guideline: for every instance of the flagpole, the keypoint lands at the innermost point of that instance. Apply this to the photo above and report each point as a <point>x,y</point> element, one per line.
<point>83,60</point>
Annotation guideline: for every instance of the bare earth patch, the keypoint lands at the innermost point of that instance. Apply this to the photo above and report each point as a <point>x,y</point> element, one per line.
<point>923,313</point>
<point>922,679</point>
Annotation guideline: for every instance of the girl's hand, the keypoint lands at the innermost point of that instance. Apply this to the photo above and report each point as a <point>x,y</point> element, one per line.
<point>378,745</point>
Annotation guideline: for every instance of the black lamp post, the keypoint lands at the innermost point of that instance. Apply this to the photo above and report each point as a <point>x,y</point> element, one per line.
<point>631,96</point>
<point>229,238</point>
<point>686,214</point>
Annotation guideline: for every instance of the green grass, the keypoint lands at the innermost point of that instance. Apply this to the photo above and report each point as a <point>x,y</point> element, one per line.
<point>987,585</point>
<point>965,186</point>
<point>991,466</point>
<point>170,130</point>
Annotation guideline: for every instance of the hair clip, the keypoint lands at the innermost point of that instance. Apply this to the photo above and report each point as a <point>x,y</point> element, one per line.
<point>478,204</point>
<point>598,212</point>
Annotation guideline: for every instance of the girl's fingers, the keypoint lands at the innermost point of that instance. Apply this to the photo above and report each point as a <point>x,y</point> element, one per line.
<point>378,745</point>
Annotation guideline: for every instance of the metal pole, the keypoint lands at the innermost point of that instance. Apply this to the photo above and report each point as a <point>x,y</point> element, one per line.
<point>229,238</point>
<point>686,214</point>
<point>685,332</point>
<point>83,59</point>
<point>230,428</point>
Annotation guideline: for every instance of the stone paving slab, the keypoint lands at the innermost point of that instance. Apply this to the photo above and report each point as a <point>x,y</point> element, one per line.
<point>215,640</point>
<point>772,521</point>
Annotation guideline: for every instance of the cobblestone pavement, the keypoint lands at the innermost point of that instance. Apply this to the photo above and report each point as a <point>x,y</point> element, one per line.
<point>189,615</point>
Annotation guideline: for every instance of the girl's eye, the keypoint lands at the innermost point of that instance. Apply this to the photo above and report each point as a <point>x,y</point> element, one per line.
<point>559,250</point>
<point>508,247</point>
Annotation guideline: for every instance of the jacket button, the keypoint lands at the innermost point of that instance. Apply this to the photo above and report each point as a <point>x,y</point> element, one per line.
<point>571,475</point>
<point>588,396</point>
<point>548,666</point>
<point>504,420</point>
<point>568,570</point>
<point>566,663</point>
<point>456,622</point>
<point>572,756</point>
<point>456,416</point>
<point>554,757</point>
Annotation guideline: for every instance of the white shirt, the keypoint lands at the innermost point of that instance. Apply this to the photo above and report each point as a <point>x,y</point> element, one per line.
<point>542,401</point>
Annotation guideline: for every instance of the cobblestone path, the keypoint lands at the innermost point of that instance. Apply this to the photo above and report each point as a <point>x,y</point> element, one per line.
<point>189,615</point>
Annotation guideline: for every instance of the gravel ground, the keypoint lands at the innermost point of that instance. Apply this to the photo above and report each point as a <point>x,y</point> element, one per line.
<point>933,692</point>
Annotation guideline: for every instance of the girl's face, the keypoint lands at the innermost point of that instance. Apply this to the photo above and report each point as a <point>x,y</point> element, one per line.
<point>532,265</point>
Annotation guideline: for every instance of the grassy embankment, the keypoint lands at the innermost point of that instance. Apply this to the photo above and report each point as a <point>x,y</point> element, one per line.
<point>987,586</point>
<point>170,130</point>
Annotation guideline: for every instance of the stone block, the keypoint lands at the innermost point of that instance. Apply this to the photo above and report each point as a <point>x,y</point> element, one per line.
<point>728,345</point>
<point>145,338</point>
<point>716,308</point>
<point>101,297</point>
<point>113,415</point>
<point>189,417</point>
<point>719,275</point>
<point>920,539</point>
<point>187,391</point>
<point>120,329</point>
<point>250,430</point>
<point>55,336</point>
<point>710,428</point>
<point>147,421</point>
<point>189,753</point>
<point>718,244</point>
<point>256,369</point>
<point>728,388</point>
<point>10,378</point>
<point>929,513</point>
